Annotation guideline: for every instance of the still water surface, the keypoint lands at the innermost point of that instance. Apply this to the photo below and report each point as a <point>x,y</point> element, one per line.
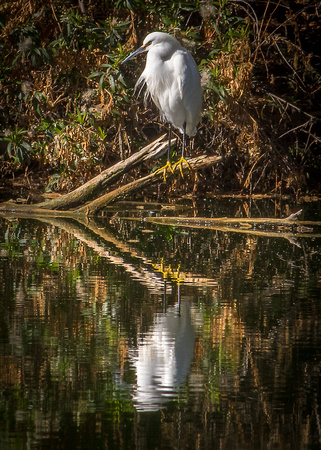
<point>118,333</point>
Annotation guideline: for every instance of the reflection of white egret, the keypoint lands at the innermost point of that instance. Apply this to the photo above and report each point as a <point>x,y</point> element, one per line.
<point>172,80</point>
<point>164,355</point>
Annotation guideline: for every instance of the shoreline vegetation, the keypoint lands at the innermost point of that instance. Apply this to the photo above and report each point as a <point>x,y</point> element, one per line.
<point>68,112</point>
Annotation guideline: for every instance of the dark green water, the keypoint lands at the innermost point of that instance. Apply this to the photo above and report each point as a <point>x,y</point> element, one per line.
<point>118,333</point>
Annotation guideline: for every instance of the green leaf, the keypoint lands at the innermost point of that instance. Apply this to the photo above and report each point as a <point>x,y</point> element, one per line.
<point>96,74</point>
<point>9,148</point>
<point>20,155</point>
<point>101,82</point>
<point>27,146</point>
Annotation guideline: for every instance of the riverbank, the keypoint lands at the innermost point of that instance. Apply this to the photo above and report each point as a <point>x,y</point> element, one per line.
<point>68,110</point>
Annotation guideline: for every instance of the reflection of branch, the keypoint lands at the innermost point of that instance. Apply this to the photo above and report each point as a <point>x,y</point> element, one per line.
<point>147,273</point>
<point>317,417</point>
<point>144,270</point>
<point>262,396</point>
<point>84,233</point>
<point>270,227</point>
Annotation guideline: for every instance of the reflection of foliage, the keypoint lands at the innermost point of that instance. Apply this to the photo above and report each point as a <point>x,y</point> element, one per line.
<point>11,242</point>
<point>51,293</point>
<point>76,315</point>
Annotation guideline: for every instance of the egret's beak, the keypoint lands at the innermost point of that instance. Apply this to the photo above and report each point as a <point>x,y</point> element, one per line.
<point>141,49</point>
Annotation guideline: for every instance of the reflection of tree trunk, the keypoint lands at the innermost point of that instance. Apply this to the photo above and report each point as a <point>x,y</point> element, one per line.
<point>268,227</point>
<point>135,263</point>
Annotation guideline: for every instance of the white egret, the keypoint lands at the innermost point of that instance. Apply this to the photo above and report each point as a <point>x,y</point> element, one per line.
<point>172,80</point>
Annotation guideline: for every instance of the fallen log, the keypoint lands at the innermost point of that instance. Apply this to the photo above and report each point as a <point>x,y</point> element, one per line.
<point>58,207</point>
<point>97,205</point>
<point>94,187</point>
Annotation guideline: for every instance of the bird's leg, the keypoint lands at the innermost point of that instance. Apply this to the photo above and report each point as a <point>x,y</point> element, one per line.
<point>182,158</point>
<point>168,164</point>
<point>169,143</point>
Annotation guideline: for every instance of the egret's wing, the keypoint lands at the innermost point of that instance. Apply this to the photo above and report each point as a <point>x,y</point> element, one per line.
<point>189,85</point>
<point>186,72</point>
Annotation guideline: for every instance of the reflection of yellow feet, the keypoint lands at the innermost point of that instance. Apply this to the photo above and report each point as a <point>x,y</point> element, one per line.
<point>163,169</point>
<point>161,268</point>
<point>180,164</point>
<point>178,276</point>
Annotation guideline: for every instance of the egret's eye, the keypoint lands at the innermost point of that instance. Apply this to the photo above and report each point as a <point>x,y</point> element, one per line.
<point>147,44</point>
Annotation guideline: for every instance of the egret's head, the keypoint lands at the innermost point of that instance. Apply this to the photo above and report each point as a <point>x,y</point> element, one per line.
<point>155,39</point>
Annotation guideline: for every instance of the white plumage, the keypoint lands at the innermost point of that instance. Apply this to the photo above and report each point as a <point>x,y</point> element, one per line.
<point>172,80</point>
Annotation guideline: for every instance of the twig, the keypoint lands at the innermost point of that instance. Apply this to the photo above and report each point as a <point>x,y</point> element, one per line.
<point>255,19</point>
<point>294,216</point>
<point>54,14</point>
<point>296,128</point>
<point>289,65</point>
<point>276,97</point>
<point>289,19</point>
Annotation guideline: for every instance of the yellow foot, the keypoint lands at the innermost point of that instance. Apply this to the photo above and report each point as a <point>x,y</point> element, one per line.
<point>180,164</point>
<point>163,169</point>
